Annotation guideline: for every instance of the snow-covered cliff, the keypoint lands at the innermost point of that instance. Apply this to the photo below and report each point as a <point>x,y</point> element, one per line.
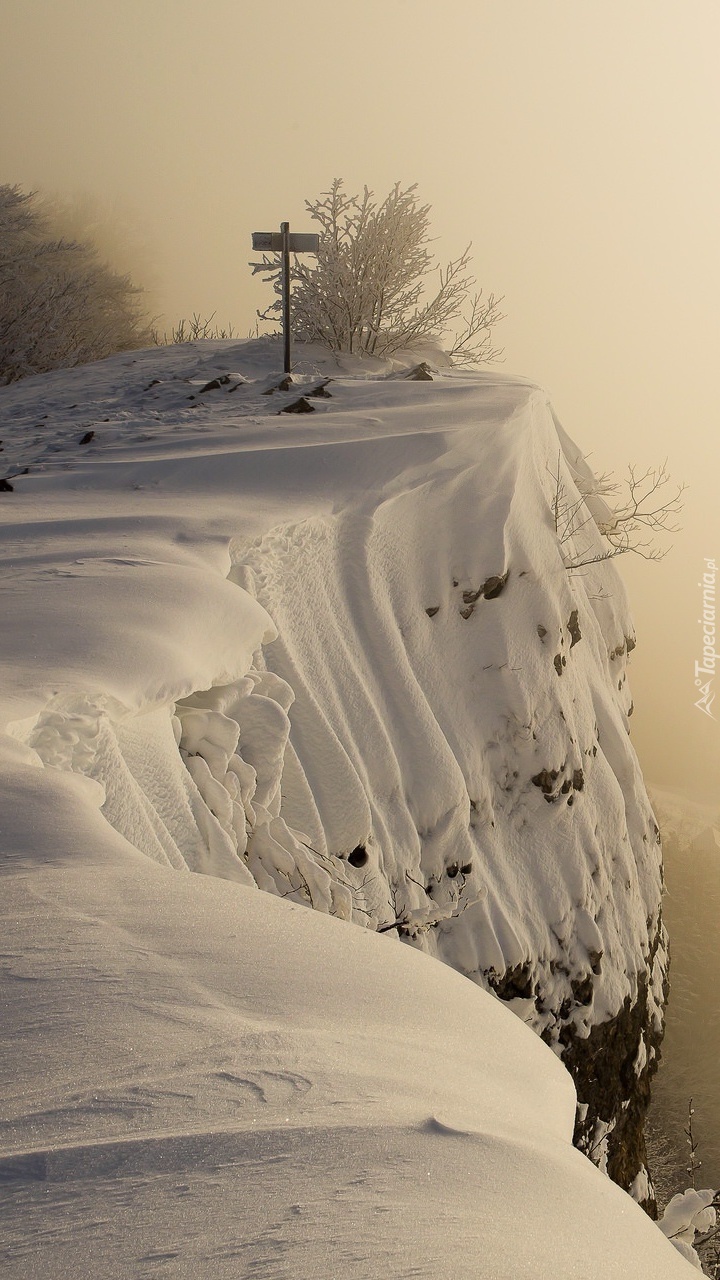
<point>321,639</point>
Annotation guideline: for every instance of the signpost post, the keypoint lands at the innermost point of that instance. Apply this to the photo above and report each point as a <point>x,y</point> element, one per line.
<point>284,243</point>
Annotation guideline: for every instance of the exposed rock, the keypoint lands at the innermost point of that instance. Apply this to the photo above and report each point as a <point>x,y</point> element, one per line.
<point>299,406</point>
<point>613,1068</point>
<point>489,589</point>
<point>283,385</point>
<point>582,989</point>
<point>546,780</point>
<point>514,984</point>
<point>216,383</point>
<point>573,627</point>
<point>492,586</point>
<point>320,392</point>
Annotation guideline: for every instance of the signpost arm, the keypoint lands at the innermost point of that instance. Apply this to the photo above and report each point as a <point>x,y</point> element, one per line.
<point>285,231</point>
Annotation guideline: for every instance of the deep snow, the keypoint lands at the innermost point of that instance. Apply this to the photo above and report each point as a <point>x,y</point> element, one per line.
<point>281,649</point>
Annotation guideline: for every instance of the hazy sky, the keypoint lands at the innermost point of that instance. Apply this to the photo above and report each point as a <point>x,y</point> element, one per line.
<point>575,142</point>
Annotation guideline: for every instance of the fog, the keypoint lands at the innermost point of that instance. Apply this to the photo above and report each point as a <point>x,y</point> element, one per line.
<point>574,143</point>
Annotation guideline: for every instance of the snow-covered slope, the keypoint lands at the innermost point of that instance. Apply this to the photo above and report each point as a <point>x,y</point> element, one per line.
<point>336,655</point>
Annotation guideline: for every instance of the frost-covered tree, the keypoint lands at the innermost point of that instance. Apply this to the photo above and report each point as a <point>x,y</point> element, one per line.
<point>366,290</point>
<point>59,304</point>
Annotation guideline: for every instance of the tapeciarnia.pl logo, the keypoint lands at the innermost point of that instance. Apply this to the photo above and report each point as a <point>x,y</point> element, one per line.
<point>707,622</point>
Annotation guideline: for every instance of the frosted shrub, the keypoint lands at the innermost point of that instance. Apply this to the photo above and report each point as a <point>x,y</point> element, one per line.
<point>365,290</point>
<point>689,1213</point>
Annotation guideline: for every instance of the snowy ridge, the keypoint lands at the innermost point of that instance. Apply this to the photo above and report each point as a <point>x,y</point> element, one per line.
<point>337,657</point>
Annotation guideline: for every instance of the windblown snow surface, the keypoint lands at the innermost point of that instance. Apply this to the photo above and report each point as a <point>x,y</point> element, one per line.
<point>336,656</point>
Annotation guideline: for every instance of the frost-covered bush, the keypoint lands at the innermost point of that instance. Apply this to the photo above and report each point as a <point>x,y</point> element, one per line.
<point>365,290</point>
<point>688,1214</point>
<point>59,304</point>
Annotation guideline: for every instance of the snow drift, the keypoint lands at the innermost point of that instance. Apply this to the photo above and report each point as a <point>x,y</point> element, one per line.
<point>318,638</point>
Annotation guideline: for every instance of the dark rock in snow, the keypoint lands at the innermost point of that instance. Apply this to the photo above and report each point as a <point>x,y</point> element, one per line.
<point>421,373</point>
<point>489,589</point>
<point>546,780</point>
<point>89,435</point>
<point>283,385</point>
<point>513,984</point>
<point>582,989</point>
<point>320,392</point>
<point>433,610</point>
<point>573,627</point>
<point>299,406</point>
<point>215,383</point>
<point>6,487</point>
<point>492,587</point>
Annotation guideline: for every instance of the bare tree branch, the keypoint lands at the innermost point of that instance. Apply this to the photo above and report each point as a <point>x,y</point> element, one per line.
<point>642,513</point>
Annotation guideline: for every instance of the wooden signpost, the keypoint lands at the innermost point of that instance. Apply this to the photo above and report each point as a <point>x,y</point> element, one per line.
<point>284,243</point>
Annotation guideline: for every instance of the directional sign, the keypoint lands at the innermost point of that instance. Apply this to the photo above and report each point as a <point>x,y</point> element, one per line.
<point>285,243</point>
<point>272,242</point>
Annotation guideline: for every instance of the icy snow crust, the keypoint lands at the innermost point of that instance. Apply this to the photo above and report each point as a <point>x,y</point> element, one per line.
<point>334,656</point>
